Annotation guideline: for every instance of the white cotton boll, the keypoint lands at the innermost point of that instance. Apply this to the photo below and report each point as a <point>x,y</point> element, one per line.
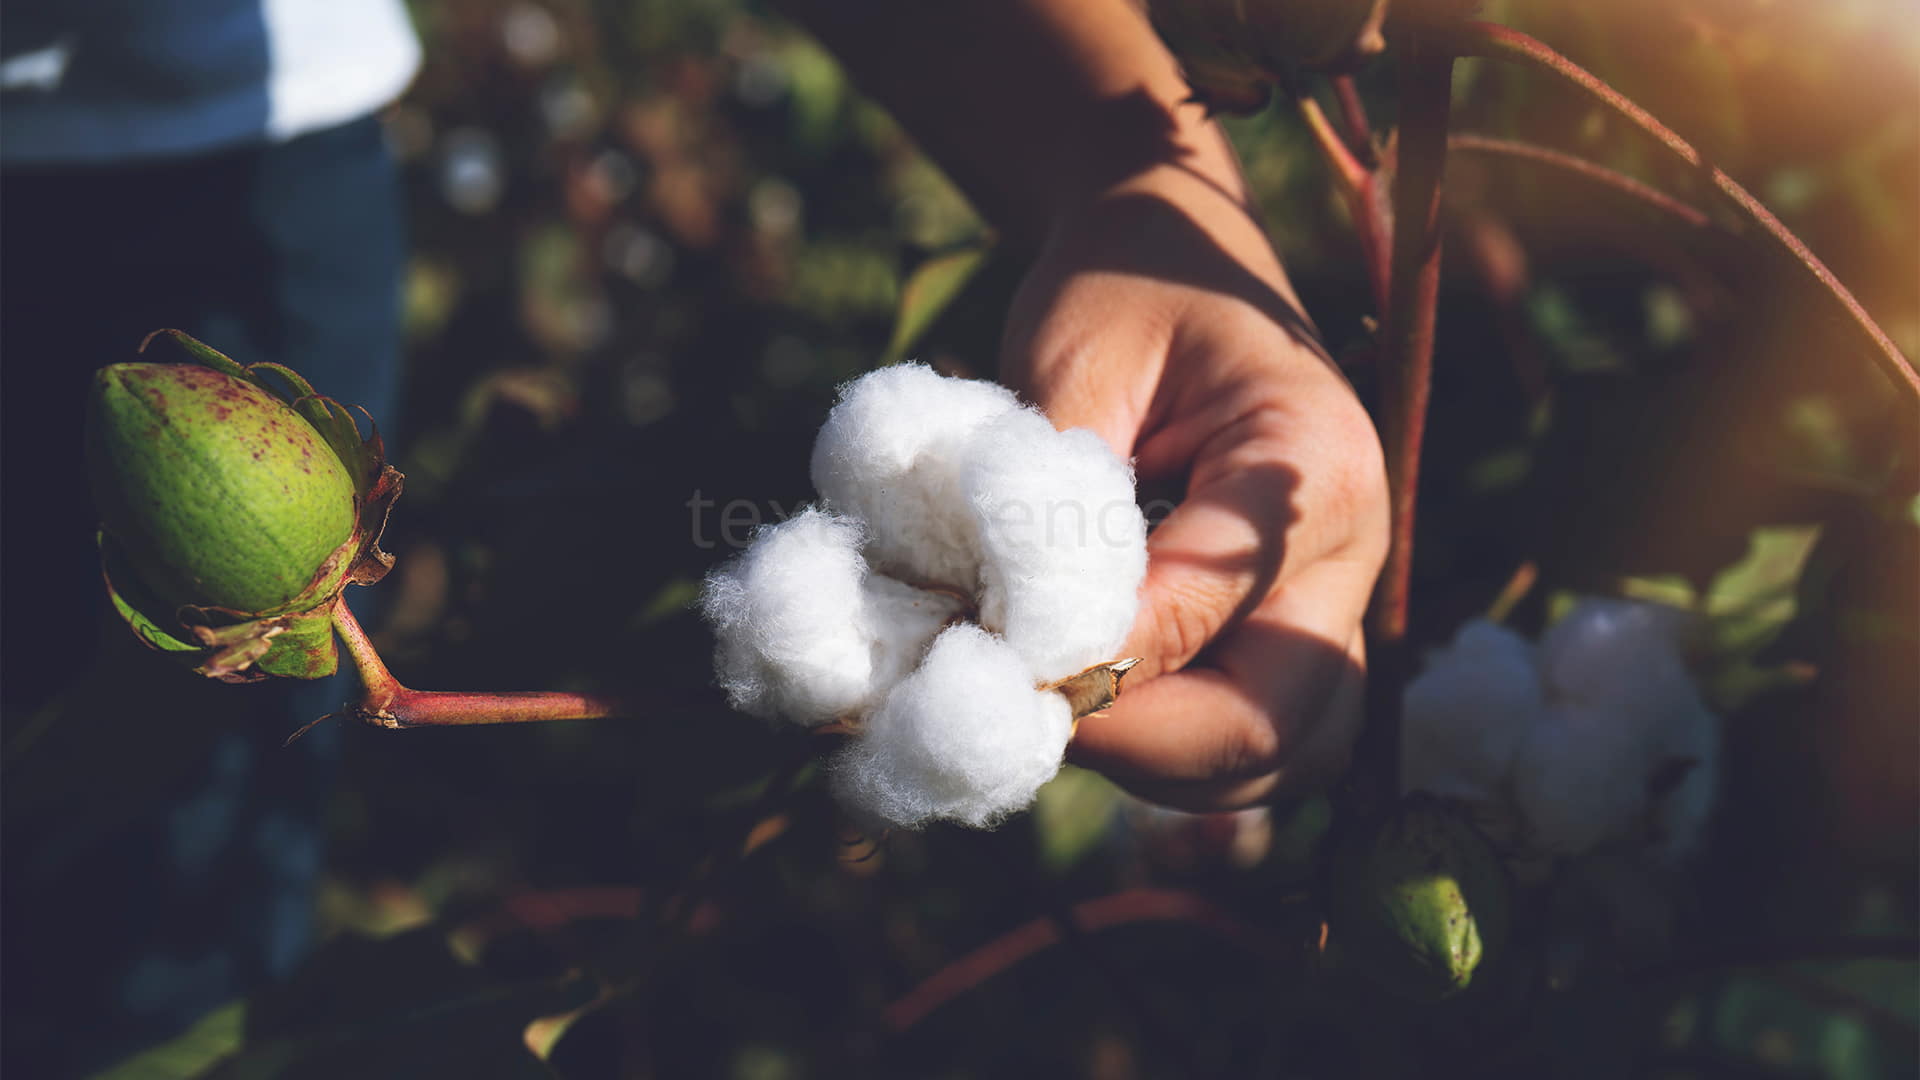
<point>804,631</point>
<point>1580,777</point>
<point>1686,730</point>
<point>1063,545</point>
<point>889,455</point>
<point>966,738</point>
<point>1467,713</point>
<point>903,621</point>
<point>1612,650</point>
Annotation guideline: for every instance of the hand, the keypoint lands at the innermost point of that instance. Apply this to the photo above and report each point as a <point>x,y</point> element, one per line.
<point>1159,317</point>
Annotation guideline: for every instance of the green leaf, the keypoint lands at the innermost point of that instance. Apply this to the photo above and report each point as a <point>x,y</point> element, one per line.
<point>1071,814</point>
<point>214,1038</point>
<point>401,1006</point>
<point>199,350</point>
<point>929,290</point>
<point>1750,601</point>
<point>133,602</point>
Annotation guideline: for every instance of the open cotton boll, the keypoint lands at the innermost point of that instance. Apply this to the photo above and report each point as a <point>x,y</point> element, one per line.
<point>1580,777</point>
<point>1685,731</point>
<point>889,454</point>
<point>1612,650</point>
<point>966,738</point>
<point>805,632</point>
<point>1062,543</point>
<point>1467,713</point>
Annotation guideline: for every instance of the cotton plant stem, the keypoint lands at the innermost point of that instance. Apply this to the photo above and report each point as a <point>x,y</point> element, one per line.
<point>1353,116</point>
<point>1646,194</point>
<point>1360,188</point>
<point>1089,916</point>
<point>1495,42</point>
<point>1413,293</point>
<point>384,701</point>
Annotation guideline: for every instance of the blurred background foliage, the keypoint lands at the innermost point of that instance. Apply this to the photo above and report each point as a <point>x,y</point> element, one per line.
<point>651,236</point>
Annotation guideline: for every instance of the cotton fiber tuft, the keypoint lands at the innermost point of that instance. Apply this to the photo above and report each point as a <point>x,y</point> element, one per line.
<point>965,554</point>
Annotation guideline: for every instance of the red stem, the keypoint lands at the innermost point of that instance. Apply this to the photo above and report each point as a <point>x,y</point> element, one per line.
<point>1600,174</point>
<point>1490,40</point>
<point>1353,115</point>
<point>1119,909</point>
<point>389,704</point>
<point>1413,293</point>
<point>1360,187</point>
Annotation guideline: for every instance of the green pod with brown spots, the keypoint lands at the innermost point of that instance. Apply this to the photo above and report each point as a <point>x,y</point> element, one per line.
<point>219,493</point>
<point>235,505</point>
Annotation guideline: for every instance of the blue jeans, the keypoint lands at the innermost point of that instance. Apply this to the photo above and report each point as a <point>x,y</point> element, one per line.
<point>160,845</point>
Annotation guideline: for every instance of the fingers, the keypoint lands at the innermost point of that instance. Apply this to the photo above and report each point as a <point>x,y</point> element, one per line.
<point>1273,710</point>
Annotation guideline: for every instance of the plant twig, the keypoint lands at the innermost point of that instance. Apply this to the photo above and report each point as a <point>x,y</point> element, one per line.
<point>1413,293</point>
<point>1360,187</point>
<point>384,701</point>
<point>1353,116</point>
<point>1600,174</point>
<point>1492,41</point>
<point>1090,916</point>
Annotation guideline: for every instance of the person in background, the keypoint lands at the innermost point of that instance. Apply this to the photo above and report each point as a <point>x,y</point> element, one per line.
<point>171,165</point>
<point>214,166</point>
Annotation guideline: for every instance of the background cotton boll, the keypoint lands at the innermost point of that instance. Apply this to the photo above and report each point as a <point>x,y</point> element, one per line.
<point>1608,649</point>
<point>1063,545</point>
<point>1686,731</point>
<point>1581,777</point>
<point>965,738</point>
<point>1467,713</point>
<point>788,616</point>
<point>889,455</point>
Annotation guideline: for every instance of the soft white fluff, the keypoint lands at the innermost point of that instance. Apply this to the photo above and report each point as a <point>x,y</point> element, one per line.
<point>1467,713</point>
<point>1581,777</point>
<point>966,738</point>
<point>1572,733</point>
<point>1063,546</point>
<point>891,454</point>
<point>1625,658</point>
<point>805,632</point>
<point>952,485</point>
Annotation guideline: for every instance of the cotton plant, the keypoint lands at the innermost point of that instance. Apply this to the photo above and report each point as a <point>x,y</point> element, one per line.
<point>955,600</point>
<point>1594,737</point>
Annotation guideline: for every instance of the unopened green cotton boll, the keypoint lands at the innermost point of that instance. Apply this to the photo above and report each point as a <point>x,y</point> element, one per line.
<point>1420,902</point>
<point>218,493</point>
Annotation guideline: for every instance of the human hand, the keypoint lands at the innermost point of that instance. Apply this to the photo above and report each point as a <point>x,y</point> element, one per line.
<point>1158,316</point>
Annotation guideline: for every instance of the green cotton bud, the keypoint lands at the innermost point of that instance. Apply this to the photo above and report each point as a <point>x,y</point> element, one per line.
<point>220,494</point>
<point>232,514</point>
<point>1420,902</point>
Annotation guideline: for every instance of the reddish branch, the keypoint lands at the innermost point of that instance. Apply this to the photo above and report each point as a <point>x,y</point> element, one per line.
<point>384,701</point>
<point>1503,43</point>
<point>1600,174</point>
<point>1359,186</point>
<point>1413,292</point>
<point>1091,916</point>
<point>1353,116</point>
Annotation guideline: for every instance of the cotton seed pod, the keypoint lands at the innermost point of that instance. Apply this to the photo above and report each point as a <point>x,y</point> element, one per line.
<point>232,516</point>
<point>1420,901</point>
<point>219,493</point>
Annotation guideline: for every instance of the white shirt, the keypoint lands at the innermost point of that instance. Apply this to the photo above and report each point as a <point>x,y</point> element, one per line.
<point>102,81</point>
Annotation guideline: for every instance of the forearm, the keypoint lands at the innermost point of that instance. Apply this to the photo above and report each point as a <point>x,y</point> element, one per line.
<point>1032,106</point>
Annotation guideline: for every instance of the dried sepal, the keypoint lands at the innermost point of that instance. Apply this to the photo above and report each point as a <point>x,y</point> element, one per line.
<point>1095,689</point>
